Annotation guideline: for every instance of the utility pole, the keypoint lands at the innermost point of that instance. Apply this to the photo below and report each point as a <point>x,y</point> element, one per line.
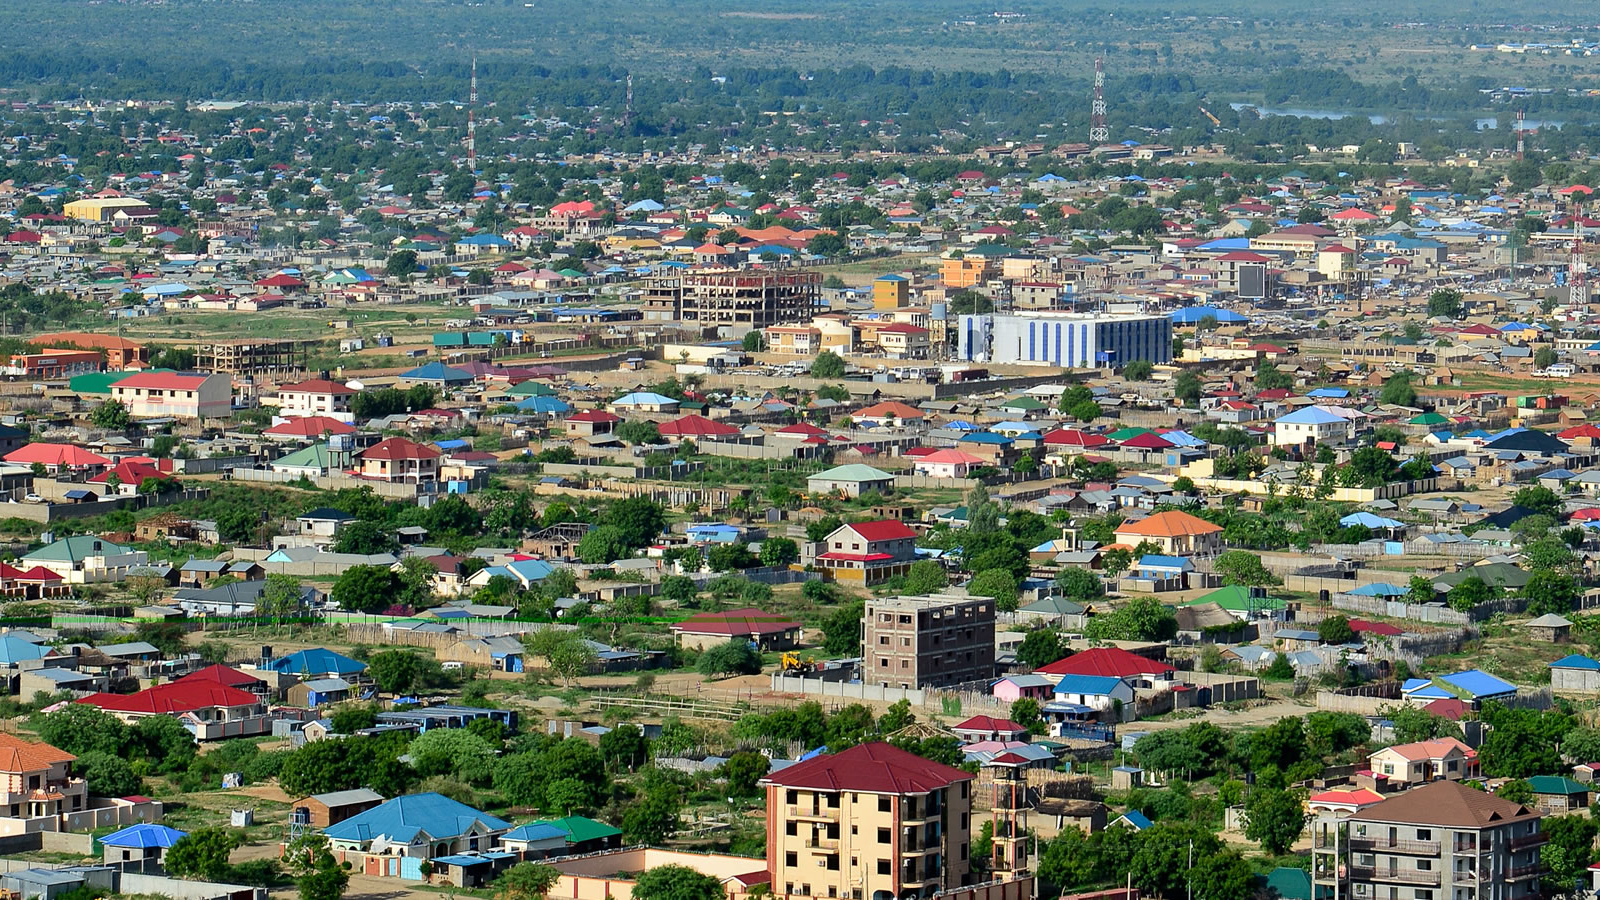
<point>472,121</point>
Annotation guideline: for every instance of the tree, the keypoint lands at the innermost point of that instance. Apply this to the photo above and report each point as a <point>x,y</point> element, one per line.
<point>674,882</point>
<point>1275,818</point>
<point>452,751</point>
<point>203,853</point>
<point>1517,790</point>
<point>828,364</point>
<point>352,717</point>
<point>654,819</point>
<point>1420,590</point>
<point>366,589</point>
<point>743,770</point>
<point>1025,711</point>
<point>1187,388</point>
<point>1412,724</point>
<point>1223,876</point>
<point>640,520</point>
<point>396,671</point>
<point>1335,630</point>
<point>678,588</point>
<point>526,881</point>
<point>318,875</point>
<point>1080,584</point>
<point>1581,744</point>
<point>1550,592</point>
<point>1545,357</point>
<point>111,415</point>
<point>1569,846</point>
<point>1470,592</point>
<point>1397,391</point>
<point>1538,499</point>
<point>80,728</point>
<point>281,599</point>
<point>164,741</point>
<point>998,584</point>
<point>752,342</point>
<point>736,657</point>
<point>1140,619</point>
<point>841,630</point>
<point>107,775</point>
<point>364,538</point>
<point>564,652</point>
<point>1523,742</point>
<point>1138,370</point>
<point>1041,647</point>
<point>1241,567</point>
<point>602,546</point>
<point>1445,302</point>
<point>896,717</point>
<point>624,747</point>
<point>926,576</point>
<point>400,263</point>
<point>779,552</point>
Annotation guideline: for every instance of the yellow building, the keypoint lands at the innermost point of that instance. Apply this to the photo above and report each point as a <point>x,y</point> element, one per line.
<point>100,209</point>
<point>871,823</point>
<point>1336,262</point>
<point>969,271</point>
<point>890,292</point>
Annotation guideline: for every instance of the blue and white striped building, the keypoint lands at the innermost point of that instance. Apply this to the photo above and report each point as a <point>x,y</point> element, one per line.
<point>1063,339</point>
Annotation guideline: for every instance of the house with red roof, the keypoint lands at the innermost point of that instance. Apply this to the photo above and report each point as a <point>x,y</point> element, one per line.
<point>40,791</point>
<point>209,709</point>
<point>308,427</point>
<point>948,463</point>
<point>1113,662</point>
<point>989,728</point>
<point>695,427</point>
<point>57,457</point>
<point>591,422</point>
<point>228,675</point>
<point>1072,440</point>
<point>282,283</point>
<point>889,412</point>
<point>317,397</point>
<point>768,631</point>
<point>399,460</point>
<point>130,475</point>
<point>163,395</point>
<point>867,553</point>
<point>882,793</point>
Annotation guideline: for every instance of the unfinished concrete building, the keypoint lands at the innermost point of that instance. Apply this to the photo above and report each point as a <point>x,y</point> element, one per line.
<point>728,304</point>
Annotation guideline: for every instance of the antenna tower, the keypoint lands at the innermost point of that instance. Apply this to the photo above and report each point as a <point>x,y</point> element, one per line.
<point>1098,133</point>
<point>1577,269</point>
<point>1519,135</point>
<point>472,119</point>
<point>627,110</point>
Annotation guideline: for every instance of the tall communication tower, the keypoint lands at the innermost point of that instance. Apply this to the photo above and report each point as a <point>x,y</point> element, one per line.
<point>1519,135</point>
<point>627,109</point>
<point>1098,133</point>
<point>1577,269</point>
<point>472,119</point>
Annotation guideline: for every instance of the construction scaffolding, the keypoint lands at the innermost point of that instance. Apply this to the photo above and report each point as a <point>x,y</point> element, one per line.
<point>733,301</point>
<point>245,357</point>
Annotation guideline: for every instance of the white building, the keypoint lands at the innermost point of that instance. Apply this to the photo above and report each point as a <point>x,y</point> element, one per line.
<point>1063,339</point>
<point>154,395</point>
<point>318,397</point>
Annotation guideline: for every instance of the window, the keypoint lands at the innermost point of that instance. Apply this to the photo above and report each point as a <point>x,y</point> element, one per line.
<point>883,835</point>
<point>791,828</point>
<point>963,821</point>
<point>791,797</point>
<point>791,859</point>
<point>963,851</point>
<point>1424,834</point>
<point>1424,865</point>
<point>883,867</point>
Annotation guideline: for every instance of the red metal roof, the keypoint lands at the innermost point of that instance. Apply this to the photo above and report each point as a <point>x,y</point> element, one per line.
<point>737,622</point>
<point>222,674</point>
<point>311,426</point>
<point>55,455</point>
<point>882,530</point>
<point>400,448</point>
<point>317,386</point>
<point>174,697</point>
<point>1105,661</point>
<point>594,415</point>
<point>989,723</point>
<point>858,557</point>
<point>697,426</point>
<point>162,381</point>
<point>875,768</point>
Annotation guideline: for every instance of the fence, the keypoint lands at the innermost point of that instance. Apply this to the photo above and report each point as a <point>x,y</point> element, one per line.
<point>1442,615</point>
<point>788,684</point>
<point>391,489</point>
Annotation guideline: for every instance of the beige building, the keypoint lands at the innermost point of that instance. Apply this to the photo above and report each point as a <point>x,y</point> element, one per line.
<point>153,395</point>
<point>871,823</point>
<point>100,209</point>
<point>1441,758</point>
<point>318,397</point>
<point>913,642</point>
<point>1440,841</point>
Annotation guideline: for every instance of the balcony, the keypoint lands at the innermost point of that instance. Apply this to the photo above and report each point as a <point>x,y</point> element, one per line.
<point>823,813</point>
<point>1467,848</point>
<point>1397,876</point>
<point>1517,873</point>
<point>1464,876</point>
<point>1384,845</point>
<point>1527,840</point>
<point>823,845</point>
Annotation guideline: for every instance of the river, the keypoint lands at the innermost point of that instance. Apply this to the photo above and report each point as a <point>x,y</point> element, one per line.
<point>1485,122</point>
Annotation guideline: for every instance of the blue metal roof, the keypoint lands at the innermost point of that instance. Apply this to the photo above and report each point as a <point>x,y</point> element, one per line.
<point>318,661</point>
<point>1087,684</point>
<point>143,836</point>
<point>403,818</point>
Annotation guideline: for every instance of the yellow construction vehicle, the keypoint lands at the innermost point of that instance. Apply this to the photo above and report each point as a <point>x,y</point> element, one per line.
<point>1214,120</point>
<point>794,662</point>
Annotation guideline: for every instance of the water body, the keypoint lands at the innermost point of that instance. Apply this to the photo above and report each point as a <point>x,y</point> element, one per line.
<point>1483,123</point>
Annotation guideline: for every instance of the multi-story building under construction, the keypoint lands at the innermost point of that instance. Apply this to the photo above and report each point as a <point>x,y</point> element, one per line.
<point>728,304</point>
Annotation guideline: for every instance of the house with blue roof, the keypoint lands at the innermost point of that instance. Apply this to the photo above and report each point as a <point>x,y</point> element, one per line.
<point>1097,692</point>
<point>139,847</point>
<point>525,572</point>
<point>1575,674</point>
<point>1166,573</point>
<point>644,402</point>
<point>393,839</point>
<point>1473,686</point>
<point>1318,424</point>
<point>438,375</point>
<point>318,662</point>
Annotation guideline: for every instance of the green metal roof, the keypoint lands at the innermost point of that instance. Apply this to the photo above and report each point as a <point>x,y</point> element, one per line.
<point>853,472</point>
<point>76,548</point>
<point>1556,784</point>
<point>101,382</point>
<point>1237,599</point>
<point>315,456</point>
<point>581,828</point>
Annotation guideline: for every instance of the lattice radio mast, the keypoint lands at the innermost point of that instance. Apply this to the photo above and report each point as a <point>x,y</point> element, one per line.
<point>1519,135</point>
<point>1577,269</point>
<point>1098,133</point>
<point>472,119</point>
<point>627,109</point>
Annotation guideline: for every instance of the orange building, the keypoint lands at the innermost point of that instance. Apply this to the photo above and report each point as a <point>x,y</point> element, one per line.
<point>969,271</point>
<point>120,353</point>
